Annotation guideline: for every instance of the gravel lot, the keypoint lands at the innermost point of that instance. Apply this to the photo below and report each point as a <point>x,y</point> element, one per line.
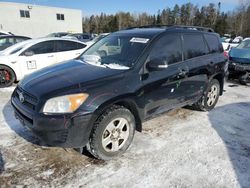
<point>181,148</point>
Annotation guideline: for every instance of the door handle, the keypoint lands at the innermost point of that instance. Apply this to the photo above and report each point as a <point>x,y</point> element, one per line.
<point>78,53</point>
<point>51,56</point>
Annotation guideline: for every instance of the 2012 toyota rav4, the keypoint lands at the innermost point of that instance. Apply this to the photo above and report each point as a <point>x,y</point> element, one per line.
<point>99,99</point>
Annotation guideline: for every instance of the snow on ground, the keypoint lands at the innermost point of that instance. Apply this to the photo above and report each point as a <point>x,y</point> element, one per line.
<point>181,148</point>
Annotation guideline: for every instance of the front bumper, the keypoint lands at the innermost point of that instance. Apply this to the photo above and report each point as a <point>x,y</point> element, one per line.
<point>236,67</point>
<point>68,131</point>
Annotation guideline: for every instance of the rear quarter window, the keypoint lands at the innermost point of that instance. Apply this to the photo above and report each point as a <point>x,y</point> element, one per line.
<point>63,46</point>
<point>194,46</point>
<point>213,43</point>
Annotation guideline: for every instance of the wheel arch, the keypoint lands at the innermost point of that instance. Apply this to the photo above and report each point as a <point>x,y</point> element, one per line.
<point>127,103</point>
<point>11,69</point>
<point>220,78</point>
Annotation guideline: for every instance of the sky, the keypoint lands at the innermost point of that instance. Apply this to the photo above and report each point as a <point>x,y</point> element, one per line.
<point>90,7</point>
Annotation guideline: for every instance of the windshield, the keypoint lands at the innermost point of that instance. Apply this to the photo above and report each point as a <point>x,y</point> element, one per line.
<point>244,44</point>
<point>116,51</point>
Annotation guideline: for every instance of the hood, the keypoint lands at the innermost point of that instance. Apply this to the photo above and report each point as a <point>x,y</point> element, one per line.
<point>240,55</point>
<point>74,73</point>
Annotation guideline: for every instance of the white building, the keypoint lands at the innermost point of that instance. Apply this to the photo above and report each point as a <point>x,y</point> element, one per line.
<point>38,21</point>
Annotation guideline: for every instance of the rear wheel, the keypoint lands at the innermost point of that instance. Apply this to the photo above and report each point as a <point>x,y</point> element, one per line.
<point>7,76</point>
<point>112,133</point>
<point>210,98</point>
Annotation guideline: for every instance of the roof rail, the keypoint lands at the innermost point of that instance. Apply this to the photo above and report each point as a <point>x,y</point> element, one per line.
<point>199,28</point>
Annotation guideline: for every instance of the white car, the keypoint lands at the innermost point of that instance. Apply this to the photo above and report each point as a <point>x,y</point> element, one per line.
<point>26,57</point>
<point>231,43</point>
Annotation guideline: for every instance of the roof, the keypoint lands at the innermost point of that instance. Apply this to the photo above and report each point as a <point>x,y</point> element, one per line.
<point>147,32</point>
<point>13,36</point>
<point>44,39</point>
<point>153,30</point>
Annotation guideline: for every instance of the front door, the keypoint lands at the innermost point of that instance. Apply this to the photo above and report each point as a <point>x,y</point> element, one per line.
<point>37,57</point>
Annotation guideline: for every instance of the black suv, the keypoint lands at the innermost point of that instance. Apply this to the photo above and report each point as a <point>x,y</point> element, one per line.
<point>99,99</point>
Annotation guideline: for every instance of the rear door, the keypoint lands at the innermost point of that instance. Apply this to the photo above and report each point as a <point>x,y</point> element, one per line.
<point>217,61</point>
<point>197,58</point>
<point>67,50</point>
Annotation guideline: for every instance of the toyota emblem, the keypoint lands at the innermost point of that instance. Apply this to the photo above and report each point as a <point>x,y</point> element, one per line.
<point>21,97</point>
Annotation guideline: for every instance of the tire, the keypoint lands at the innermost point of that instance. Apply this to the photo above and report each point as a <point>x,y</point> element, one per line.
<point>243,79</point>
<point>242,82</point>
<point>7,76</point>
<point>210,98</point>
<point>112,133</point>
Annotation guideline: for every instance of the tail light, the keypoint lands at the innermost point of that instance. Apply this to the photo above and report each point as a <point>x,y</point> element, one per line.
<point>226,54</point>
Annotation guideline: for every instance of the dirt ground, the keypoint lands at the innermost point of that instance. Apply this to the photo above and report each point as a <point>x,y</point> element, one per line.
<point>181,148</point>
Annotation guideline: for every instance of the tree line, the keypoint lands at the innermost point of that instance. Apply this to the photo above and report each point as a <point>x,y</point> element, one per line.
<point>234,22</point>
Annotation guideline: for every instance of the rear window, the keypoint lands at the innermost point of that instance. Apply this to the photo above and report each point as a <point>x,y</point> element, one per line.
<point>68,46</point>
<point>194,46</point>
<point>213,43</point>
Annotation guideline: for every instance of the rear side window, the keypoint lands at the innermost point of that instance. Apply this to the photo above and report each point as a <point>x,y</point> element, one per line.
<point>213,43</point>
<point>43,48</point>
<point>63,46</point>
<point>80,45</point>
<point>168,48</point>
<point>194,46</point>
<point>20,39</point>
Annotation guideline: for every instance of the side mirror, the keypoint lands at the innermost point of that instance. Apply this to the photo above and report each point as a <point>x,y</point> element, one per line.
<point>157,64</point>
<point>29,53</point>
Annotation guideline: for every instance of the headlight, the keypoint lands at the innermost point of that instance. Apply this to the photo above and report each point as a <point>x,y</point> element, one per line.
<point>64,104</point>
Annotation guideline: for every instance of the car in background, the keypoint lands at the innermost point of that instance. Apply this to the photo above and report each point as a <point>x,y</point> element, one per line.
<point>5,33</point>
<point>96,39</point>
<point>239,62</point>
<point>9,40</point>
<point>59,34</point>
<point>28,56</point>
<point>228,43</point>
<point>83,37</point>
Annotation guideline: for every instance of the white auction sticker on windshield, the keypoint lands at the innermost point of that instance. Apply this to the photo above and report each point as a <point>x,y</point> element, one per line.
<point>139,40</point>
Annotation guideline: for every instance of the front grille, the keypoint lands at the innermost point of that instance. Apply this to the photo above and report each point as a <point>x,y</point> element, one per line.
<point>29,100</point>
<point>22,117</point>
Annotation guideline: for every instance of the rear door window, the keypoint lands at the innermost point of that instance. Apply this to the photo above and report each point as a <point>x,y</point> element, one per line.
<point>20,40</point>
<point>168,48</point>
<point>194,46</point>
<point>213,43</point>
<point>63,46</point>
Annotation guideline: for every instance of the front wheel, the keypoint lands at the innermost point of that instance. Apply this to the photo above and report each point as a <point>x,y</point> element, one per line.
<point>210,97</point>
<point>112,134</point>
<point>7,76</point>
